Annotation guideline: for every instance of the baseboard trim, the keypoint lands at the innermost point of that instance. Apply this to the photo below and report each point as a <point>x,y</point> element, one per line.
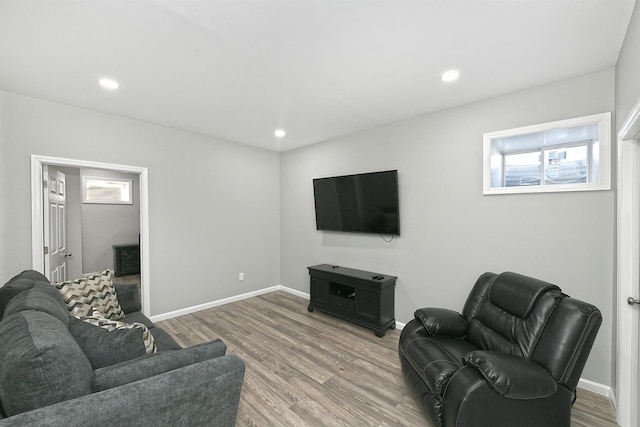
<point>199,307</point>
<point>597,388</point>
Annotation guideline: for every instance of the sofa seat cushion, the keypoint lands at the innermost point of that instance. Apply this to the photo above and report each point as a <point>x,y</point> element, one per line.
<point>92,292</point>
<point>41,297</point>
<point>40,363</point>
<point>436,359</point>
<point>155,364</point>
<point>17,284</point>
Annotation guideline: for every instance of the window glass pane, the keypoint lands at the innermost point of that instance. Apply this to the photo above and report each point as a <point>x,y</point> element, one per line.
<point>107,191</point>
<point>566,165</point>
<point>522,169</point>
<point>566,155</point>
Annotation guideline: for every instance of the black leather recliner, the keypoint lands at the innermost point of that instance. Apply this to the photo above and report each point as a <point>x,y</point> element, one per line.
<point>512,358</point>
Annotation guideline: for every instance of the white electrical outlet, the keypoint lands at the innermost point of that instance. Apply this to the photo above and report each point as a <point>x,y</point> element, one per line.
<point>241,276</point>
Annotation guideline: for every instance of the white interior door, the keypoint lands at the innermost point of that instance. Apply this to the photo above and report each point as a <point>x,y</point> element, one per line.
<point>55,224</point>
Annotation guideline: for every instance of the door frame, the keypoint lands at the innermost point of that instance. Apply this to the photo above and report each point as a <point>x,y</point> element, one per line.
<point>628,270</point>
<point>37,213</point>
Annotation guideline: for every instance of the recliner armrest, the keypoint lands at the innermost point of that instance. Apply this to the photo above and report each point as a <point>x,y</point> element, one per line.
<point>512,376</point>
<point>442,322</point>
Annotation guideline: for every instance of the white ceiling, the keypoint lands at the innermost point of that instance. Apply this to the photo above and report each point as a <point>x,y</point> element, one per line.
<point>239,69</point>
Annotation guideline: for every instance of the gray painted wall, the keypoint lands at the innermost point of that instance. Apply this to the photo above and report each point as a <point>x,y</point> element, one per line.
<point>214,205</point>
<point>628,69</point>
<point>451,233</point>
<point>105,225</point>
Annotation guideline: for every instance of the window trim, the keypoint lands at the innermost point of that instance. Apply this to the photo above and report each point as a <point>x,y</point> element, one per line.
<point>603,182</point>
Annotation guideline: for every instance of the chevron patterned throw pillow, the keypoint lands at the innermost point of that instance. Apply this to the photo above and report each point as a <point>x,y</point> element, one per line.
<point>95,291</point>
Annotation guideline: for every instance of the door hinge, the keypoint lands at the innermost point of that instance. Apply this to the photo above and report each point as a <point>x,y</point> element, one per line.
<point>45,183</point>
<point>46,250</point>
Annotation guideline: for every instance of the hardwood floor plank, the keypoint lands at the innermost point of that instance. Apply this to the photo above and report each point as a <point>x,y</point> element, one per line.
<point>317,414</point>
<point>312,369</point>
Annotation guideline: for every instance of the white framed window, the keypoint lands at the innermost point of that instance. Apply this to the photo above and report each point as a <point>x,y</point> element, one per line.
<point>567,155</point>
<point>113,191</point>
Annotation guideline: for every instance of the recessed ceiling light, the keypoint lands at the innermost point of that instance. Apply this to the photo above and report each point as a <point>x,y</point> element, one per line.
<point>109,83</point>
<point>279,133</point>
<point>449,76</point>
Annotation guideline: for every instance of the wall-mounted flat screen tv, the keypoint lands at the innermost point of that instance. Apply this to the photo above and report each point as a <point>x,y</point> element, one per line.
<point>362,203</point>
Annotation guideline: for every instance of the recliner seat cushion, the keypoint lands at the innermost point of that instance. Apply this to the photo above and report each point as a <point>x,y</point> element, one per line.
<point>40,363</point>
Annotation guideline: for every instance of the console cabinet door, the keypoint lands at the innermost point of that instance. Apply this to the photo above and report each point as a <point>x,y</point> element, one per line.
<point>319,291</point>
<point>367,305</point>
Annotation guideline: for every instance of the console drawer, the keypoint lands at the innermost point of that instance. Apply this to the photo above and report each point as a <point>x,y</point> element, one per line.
<point>345,305</point>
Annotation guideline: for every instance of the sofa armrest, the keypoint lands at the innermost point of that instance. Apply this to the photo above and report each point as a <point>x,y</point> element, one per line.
<point>129,297</point>
<point>202,394</point>
<point>442,322</point>
<point>512,376</point>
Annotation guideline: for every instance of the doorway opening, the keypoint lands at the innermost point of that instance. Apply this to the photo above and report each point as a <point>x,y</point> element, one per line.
<point>38,163</point>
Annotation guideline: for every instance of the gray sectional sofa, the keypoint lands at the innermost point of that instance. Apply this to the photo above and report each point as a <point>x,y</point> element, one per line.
<point>55,372</point>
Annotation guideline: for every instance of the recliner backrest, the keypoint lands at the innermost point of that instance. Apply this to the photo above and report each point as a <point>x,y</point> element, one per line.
<point>508,312</point>
<point>567,339</point>
<point>523,316</point>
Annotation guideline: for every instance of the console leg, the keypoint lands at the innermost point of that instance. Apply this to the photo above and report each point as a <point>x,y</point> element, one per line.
<point>310,309</point>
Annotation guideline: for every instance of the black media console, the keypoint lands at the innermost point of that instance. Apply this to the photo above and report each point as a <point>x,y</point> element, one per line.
<point>362,297</point>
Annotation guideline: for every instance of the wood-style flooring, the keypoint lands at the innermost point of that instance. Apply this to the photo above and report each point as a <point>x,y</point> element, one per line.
<point>312,369</point>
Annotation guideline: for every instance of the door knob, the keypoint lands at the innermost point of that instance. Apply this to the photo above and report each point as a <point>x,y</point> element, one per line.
<point>633,301</point>
<point>67,254</point>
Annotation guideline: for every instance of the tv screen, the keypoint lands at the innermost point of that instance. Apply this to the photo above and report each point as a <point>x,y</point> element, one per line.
<point>362,203</point>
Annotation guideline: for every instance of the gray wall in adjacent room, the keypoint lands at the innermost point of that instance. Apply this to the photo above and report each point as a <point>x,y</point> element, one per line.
<point>451,233</point>
<point>105,225</point>
<point>213,204</point>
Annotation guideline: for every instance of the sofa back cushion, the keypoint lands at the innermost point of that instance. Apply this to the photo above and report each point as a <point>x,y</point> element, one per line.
<point>17,284</point>
<point>41,297</point>
<point>512,313</point>
<point>40,363</point>
<point>107,342</point>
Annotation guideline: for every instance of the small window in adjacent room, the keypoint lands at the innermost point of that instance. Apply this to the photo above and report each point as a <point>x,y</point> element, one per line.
<point>567,155</point>
<point>107,190</point>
